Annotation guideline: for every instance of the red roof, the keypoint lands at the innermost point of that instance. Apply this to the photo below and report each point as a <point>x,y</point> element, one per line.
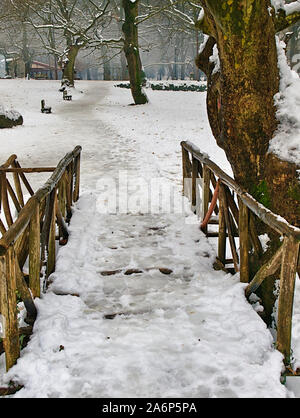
<point>36,65</point>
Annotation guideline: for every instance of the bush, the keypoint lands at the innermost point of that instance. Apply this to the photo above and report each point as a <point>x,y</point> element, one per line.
<point>170,86</point>
<point>9,118</point>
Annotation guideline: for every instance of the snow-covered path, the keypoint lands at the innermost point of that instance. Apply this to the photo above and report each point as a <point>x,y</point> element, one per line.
<point>113,323</point>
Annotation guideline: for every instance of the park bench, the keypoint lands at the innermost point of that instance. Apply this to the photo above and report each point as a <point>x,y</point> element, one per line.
<point>66,96</point>
<point>45,109</point>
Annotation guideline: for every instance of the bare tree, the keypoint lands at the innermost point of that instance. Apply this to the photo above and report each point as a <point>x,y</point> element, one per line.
<point>75,22</point>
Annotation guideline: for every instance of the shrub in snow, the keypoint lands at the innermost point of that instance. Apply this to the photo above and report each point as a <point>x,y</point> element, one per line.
<point>178,87</point>
<point>172,86</point>
<point>9,118</point>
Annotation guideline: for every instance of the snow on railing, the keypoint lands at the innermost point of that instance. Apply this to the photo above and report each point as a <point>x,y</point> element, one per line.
<point>31,234</point>
<point>225,204</point>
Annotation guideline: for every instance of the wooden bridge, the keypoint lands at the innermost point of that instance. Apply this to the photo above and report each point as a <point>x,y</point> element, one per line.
<point>31,232</point>
<point>30,235</point>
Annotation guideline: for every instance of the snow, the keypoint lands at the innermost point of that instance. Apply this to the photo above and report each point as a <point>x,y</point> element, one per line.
<point>187,334</point>
<point>11,114</point>
<point>289,8</point>
<point>215,59</point>
<point>293,7</point>
<point>286,142</point>
<point>203,44</point>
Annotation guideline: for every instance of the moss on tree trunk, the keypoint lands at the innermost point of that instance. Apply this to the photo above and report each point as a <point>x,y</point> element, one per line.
<point>69,66</point>
<point>241,110</point>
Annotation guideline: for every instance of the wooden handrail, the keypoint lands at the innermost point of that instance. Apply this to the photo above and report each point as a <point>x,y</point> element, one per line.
<point>27,211</point>
<point>9,161</point>
<point>27,169</point>
<point>32,236</point>
<point>236,218</point>
<point>274,221</point>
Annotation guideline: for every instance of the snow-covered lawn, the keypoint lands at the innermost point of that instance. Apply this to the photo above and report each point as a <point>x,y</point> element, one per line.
<point>190,333</point>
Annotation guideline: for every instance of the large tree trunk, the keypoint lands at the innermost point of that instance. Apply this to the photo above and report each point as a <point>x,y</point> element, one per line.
<point>131,49</point>
<point>69,65</point>
<point>240,103</point>
<point>124,68</point>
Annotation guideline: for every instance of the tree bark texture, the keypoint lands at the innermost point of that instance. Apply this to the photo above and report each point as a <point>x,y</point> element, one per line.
<point>240,100</point>
<point>242,81</point>
<point>131,49</point>
<point>69,66</point>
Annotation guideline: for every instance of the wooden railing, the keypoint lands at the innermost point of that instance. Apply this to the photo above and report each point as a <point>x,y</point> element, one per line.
<point>30,235</point>
<point>226,204</point>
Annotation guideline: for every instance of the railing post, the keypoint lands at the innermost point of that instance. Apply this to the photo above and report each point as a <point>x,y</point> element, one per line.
<point>222,226</point>
<point>18,187</point>
<point>195,176</point>
<point>51,242</point>
<point>4,199</point>
<point>35,253</point>
<point>69,191</point>
<point>8,308</point>
<point>186,173</point>
<point>229,226</point>
<point>244,242</point>
<point>205,192</point>
<point>62,195</point>
<point>77,178</point>
<point>286,297</point>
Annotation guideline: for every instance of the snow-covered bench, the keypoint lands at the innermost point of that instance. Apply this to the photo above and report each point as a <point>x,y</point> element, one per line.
<point>66,96</point>
<point>45,109</point>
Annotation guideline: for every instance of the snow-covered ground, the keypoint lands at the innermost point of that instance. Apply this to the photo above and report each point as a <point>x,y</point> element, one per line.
<point>190,333</point>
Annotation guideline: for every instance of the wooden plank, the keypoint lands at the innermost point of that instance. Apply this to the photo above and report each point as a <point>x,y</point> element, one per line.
<point>214,182</point>
<point>232,205</point>
<point>62,201</point>
<point>18,188</point>
<point>244,242</point>
<point>183,151</point>
<point>26,295</point>
<point>69,185</point>
<point>35,253</point>
<point>13,196</point>
<point>51,242</point>
<point>24,216</point>
<point>205,193</point>
<point>222,226</point>
<point>230,234</point>
<point>269,268</point>
<point>19,226</point>
<point>24,179</point>
<point>186,172</point>
<point>286,297</point>
<point>254,236</point>
<point>195,176</point>
<point>46,228</point>
<point>21,247</point>
<point>28,169</point>
<point>271,219</point>
<point>9,161</point>
<point>2,228</point>
<point>77,179</point>
<point>8,307</point>
<point>63,229</point>
<point>4,198</point>
<point>211,209</point>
